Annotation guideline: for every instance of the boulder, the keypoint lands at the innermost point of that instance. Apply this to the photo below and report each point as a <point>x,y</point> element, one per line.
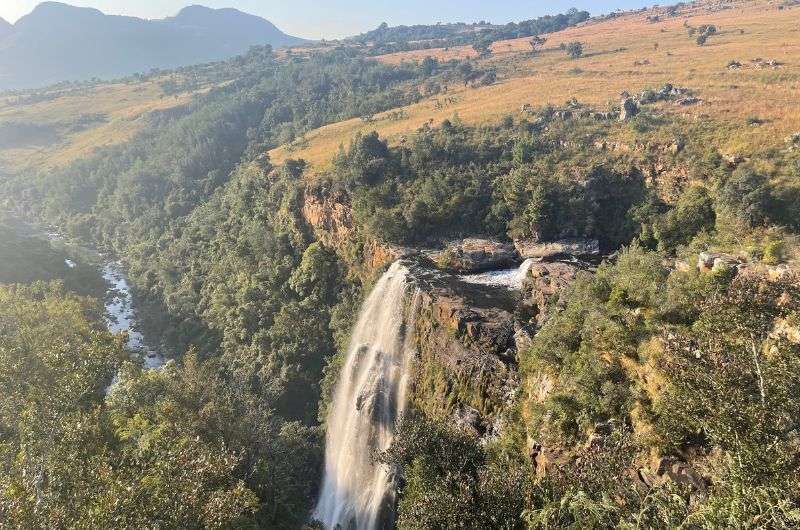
<point>565,247</point>
<point>469,420</point>
<point>668,469</point>
<point>788,330</point>
<point>545,459</point>
<point>478,255</point>
<point>710,261</point>
<point>628,109</point>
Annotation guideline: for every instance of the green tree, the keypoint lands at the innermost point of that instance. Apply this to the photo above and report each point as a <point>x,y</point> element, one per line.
<point>450,481</point>
<point>693,213</point>
<point>746,196</point>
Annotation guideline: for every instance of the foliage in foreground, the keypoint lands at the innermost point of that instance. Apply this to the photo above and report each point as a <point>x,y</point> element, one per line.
<point>182,447</point>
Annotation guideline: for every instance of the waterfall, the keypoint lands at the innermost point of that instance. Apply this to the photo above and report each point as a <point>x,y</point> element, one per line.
<point>510,278</point>
<point>370,396</point>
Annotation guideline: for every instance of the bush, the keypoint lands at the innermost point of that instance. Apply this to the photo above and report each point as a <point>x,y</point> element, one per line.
<point>693,214</point>
<point>774,252</point>
<point>747,196</point>
<point>574,49</point>
<point>452,481</point>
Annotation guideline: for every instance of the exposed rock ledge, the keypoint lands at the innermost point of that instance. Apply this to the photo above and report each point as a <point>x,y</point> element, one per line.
<point>464,333</point>
<point>579,248</point>
<point>477,255</point>
<point>543,285</point>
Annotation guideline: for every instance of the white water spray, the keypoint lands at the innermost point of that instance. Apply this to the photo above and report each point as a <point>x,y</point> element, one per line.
<point>369,399</point>
<point>510,278</point>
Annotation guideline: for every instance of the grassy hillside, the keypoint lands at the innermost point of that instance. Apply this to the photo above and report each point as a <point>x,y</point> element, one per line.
<point>68,124</point>
<point>631,52</point>
<point>657,389</point>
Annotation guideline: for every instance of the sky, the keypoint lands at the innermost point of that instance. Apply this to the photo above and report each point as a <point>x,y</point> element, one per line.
<point>332,19</point>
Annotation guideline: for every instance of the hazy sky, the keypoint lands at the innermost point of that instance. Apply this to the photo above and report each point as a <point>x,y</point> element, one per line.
<point>339,18</point>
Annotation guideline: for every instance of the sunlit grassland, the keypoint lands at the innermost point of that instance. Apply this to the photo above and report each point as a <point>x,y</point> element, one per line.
<point>122,106</point>
<point>628,53</point>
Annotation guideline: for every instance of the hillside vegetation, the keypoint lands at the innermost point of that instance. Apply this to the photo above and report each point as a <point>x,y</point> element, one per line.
<point>652,383</point>
<point>631,53</point>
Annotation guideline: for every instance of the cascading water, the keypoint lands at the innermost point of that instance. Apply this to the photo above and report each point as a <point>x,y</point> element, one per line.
<point>369,398</point>
<point>510,278</point>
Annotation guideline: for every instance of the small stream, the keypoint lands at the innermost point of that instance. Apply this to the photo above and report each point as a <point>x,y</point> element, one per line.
<point>120,310</point>
<point>121,315</point>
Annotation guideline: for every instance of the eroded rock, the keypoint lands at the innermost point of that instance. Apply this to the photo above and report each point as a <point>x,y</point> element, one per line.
<point>579,248</point>
<point>464,336</point>
<point>544,283</point>
<point>628,109</point>
<point>714,262</point>
<point>477,255</point>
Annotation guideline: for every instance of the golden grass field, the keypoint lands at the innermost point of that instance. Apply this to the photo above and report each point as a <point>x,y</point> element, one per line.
<point>624,53</point>
<point>124,105</point>
<point>615,50</point>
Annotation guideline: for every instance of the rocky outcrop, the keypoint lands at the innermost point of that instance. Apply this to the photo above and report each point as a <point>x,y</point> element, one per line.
<point>579,248</point>
<point>464,336</point>
<point>328,212</point>
<point>669,469</point>
<point>628,109</point>
<point>477,255</point>
<point>543,285</point>
<point>713,262</point>
<point>787,329</point>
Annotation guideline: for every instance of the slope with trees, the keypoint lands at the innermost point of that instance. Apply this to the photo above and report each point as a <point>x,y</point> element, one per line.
<point>651,394</point>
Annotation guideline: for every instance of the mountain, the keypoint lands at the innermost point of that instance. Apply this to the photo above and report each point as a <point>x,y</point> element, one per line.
<point>58,42</point>
<point>5,28</point>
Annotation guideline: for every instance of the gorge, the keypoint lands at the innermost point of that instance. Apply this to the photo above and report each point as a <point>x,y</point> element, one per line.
<point>414,280</point>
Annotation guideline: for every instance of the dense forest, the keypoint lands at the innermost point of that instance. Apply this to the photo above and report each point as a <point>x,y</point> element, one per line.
<point>647,356</point>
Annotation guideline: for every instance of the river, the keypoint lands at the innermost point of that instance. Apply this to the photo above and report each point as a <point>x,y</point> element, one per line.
<point>118,300</point>
<point>121,315</point>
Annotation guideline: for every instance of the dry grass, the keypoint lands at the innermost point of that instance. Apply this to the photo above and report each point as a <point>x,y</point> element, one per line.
<point>615,52</point>
<point>124,106</point>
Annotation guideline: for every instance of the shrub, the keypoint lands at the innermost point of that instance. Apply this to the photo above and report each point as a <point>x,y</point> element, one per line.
<point>774,252</point>
<point>574,49</point>
<point>746,196</point>
<point>452,481</point>
<point>693,213</point>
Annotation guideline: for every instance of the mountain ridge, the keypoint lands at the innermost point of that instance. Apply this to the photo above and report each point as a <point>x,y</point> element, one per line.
<point>5,27</point>
<point>58,42</point>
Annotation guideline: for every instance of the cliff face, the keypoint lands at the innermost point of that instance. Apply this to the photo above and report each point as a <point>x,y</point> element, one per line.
<point>330,216</point>
<point>466,335</point>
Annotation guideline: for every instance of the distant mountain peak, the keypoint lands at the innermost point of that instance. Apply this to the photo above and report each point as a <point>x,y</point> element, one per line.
<point>59,8</point>
<point>59,42</point>
<point>197,8</point>
<point>209,17</point>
